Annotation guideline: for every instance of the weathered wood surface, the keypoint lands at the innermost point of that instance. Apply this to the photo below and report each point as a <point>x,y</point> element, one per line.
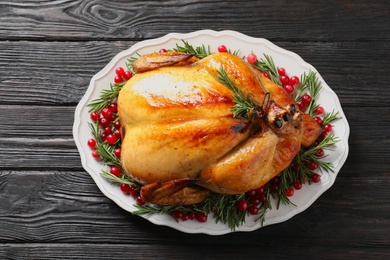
<point>112,20</point>
<point>49,50</point>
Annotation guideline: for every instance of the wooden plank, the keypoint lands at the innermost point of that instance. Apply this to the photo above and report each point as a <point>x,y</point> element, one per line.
<point>40,137</point>
<point>58,73</point>
<point>51,73</point>
<point>67,207</point>
<point>184,251</point>
<point>79,20</point>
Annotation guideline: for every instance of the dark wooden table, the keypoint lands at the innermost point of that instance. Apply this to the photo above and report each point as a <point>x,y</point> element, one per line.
<point>49,50</point>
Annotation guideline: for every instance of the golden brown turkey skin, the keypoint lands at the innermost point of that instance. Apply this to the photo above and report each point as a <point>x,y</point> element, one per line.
<point>177,123</point>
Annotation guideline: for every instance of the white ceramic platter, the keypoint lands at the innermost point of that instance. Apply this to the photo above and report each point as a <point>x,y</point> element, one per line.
<point>293,64</point>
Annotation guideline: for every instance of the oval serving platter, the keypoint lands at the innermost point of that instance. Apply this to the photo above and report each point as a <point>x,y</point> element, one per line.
<point>294,64</point>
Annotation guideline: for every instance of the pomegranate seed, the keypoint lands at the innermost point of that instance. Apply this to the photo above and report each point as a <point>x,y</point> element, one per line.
<point>318,120</point>
<point>313,166</point>
<point>275,187</point>
<point>185,217</point>
<point>113,107</point>
<point>289,88</point>
<point>201,217</point>
<point>111,139</point>
<point>306,99</point>
<point>276,180</point>
<point>253,209</point>
<point>117,152</point>
<point>125,188</point>
<point>95,116</point>
<point>320,110</point>
<point>262,197</point>
<point>117,125</point>
<point>281,71</point>
<point>103,137</point>
<point>92,143</point>
<point>295,167</point>
<point>163,50</point>
<point>294,80</point>
<point>191,215</point>
<point>118,79</point>
<point>284,80</point>
<point>177,214</point>
<point>107,130</point>
<point>119,71</point>
<point>242,205</point>
<point>117,134</point>
<point>320,152</point>
<point>290,192</point>
<point>251,193</point>
<point>106,113</point>
<point>252,58</point>
<point>255,201</point>
<point>115,170</point>
<point>265,74</point>
<point>302,106</point>
<point>298,185</point>
<point>128,75</point>
<point>327,128</point>
<point>95,155</point>
<point>222,48</point>
<point>139,200</point>
<point>133,192</point>
<point>260,190</point>
<point>316,178</point>
<point>103,122</point>
<point>323,135</point>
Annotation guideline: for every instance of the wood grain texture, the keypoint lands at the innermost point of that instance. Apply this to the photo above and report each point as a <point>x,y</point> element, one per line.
<point>50,208</point>
<point>172,251</point>
<point>67,207</point>
<point>84,20</point>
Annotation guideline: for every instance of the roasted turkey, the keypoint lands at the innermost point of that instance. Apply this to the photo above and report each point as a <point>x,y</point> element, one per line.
<point>181,140</point>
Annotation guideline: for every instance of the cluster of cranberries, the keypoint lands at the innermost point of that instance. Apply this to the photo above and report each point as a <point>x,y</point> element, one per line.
<point>109,126</point>
<point>122,75</point>
<point>252,202</point>
<point>183,216</point>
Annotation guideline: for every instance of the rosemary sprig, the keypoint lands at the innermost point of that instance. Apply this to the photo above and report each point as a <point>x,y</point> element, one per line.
<point>311,152</point>
<point>225,210</point>
<point>123,179</point>
<point>107,96</point>
<point>243,106</point>
<point>330,117</point>
<point>313,85</point>
<point>200,51</point>
<point>266,205</point>
<point>268,66</point>
<point>130,63</point>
